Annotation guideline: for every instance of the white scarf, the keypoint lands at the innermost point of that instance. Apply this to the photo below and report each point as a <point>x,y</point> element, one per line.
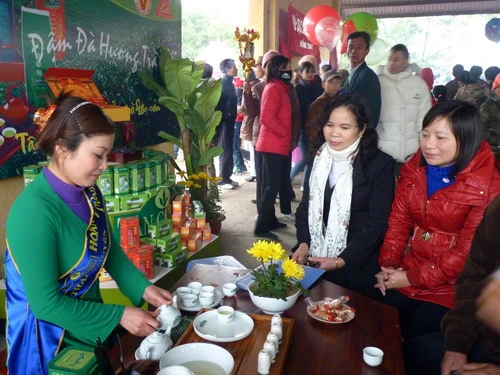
<point>332,240</point>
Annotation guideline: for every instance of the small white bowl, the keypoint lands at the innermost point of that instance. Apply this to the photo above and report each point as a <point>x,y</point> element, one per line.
<point>229,289</point>
<point>373,356</point>
<point>208,288</point>
<point>189,300</point>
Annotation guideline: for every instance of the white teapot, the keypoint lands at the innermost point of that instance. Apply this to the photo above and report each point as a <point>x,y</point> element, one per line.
<point>169,316</point>
<point>155,345</point>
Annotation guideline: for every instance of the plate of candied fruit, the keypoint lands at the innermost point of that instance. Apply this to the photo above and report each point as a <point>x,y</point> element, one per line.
<point>333,311</point>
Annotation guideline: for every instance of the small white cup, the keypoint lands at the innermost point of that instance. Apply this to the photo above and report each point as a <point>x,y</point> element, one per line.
<point>206,298</point>
<point>229,289</point>
<point>175,370</point>
<point>372,356</point>
<point>195,285</point>
<point>207,289</point>
<point>183,290</point>
<point>225,314</point>
<point>189,299</point>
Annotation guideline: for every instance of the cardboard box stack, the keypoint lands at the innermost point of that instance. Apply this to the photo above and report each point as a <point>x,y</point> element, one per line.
<point>140,253</point>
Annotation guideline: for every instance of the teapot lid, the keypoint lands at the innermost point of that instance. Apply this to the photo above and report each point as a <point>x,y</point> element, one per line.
<point>156,338</point>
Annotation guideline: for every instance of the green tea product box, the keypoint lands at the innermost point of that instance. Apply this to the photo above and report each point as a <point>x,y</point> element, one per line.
<point>105,182</point>
<point>133,202</point>
<point>151,171</point>
<point>74,360</point>
<point>162,229</point>
<point>137,177</point>
<point>121,179</point>
<point>30,172</point>
<point>112,204</point>
<point>174,242</point>
<point>150,241</point>
<point>198,210</point>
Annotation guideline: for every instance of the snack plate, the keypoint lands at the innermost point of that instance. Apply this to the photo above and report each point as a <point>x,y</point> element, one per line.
<point>217,298</point>
<point>350,316</point>
<point>208,326</point>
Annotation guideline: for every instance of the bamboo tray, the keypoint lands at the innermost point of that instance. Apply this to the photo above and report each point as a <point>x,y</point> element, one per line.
<point>246,351</point>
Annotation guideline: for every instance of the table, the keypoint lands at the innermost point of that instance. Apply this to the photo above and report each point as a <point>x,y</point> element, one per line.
<point>320,348</point>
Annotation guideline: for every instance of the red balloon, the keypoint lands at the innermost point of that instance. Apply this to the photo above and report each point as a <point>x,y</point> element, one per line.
<point>328,32</point>
<point>312,18</point>
<point>347,29</point>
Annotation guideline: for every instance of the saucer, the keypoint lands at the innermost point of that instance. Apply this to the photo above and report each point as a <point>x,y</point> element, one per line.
<point>217,298</point>
<point>208,326</point>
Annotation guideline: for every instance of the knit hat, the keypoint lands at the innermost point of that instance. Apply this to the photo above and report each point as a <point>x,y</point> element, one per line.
<point>496,82</point>
<point>268,56</point>
<point>341,73</point>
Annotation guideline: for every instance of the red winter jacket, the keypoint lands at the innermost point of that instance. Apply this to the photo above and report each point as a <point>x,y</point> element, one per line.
<point>275,134</point>
<point>441,227</point>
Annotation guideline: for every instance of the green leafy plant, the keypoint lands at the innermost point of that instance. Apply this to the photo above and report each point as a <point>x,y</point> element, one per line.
<point>193,100</point>
<point>269,280</point>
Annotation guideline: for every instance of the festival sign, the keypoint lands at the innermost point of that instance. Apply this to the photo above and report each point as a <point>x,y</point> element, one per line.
<point>297,41</point>
<point>113,38</point>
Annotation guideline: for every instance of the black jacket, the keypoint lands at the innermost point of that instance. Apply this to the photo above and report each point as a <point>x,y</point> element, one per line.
<point>227,103</point>
<point>365,82</point>
<point>372,195</point>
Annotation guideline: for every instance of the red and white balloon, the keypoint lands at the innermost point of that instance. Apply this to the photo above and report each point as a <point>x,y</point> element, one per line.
<point>322,26</point>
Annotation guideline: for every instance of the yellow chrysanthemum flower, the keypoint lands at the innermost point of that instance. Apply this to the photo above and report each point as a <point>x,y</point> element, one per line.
<point>193,177</point>
<point>188,184</point>
<point>292,270</point>
<point>265,251</point>
<point>202,176</point>
<point>197,186</point>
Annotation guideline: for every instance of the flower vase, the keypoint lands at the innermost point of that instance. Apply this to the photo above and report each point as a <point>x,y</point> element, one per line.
<point>270,305</point>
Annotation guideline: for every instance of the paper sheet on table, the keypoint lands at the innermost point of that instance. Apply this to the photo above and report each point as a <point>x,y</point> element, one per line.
<point>211,275</point>
<point>311,275</point>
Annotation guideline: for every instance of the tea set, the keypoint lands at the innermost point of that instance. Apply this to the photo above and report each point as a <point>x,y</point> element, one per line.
<point>195,294</point>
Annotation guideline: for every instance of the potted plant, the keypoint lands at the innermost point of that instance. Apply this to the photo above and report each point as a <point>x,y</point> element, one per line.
<point>276,285</point>
<point>193,100</point>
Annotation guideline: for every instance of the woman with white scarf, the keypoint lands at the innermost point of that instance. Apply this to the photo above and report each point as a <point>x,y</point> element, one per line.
<point>342,218</point>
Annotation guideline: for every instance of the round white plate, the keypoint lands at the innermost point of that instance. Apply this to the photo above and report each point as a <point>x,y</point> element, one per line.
<point>208,326</point>
<point>198,351</point>
<point>350,316</point>
<point>217,298</point>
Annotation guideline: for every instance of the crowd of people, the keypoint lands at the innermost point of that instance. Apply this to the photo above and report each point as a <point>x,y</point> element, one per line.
<point>397,174</point>
<point>400,186</point>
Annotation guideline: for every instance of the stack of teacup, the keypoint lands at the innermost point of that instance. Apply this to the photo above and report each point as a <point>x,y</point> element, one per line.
<point>268,354</point>
<point>195,292</point>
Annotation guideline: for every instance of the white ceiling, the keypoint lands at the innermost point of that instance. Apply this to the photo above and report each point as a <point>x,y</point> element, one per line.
<point>416,8</point>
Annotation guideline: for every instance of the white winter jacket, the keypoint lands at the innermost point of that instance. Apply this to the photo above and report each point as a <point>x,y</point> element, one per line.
<point>406,99</point>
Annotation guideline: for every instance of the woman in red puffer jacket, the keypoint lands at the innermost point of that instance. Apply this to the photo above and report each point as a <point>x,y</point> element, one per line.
<point>441,197</point>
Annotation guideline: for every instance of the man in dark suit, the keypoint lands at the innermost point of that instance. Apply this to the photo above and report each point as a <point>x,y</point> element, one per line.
<point>362,79</point>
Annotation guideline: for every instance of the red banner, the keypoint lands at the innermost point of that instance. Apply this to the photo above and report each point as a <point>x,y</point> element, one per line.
<point>297,41</point>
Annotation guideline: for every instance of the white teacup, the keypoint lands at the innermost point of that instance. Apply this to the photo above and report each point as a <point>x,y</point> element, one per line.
<point>175,370</point>
<point>225,314</point>
<point>189,299</point>
<point>372,356</point>
<point>229,289</point>
<point>195,287</point>
<point>155,345</point>
<point>183,290</point>
<point>206,298</point>
<point>207,288</point>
